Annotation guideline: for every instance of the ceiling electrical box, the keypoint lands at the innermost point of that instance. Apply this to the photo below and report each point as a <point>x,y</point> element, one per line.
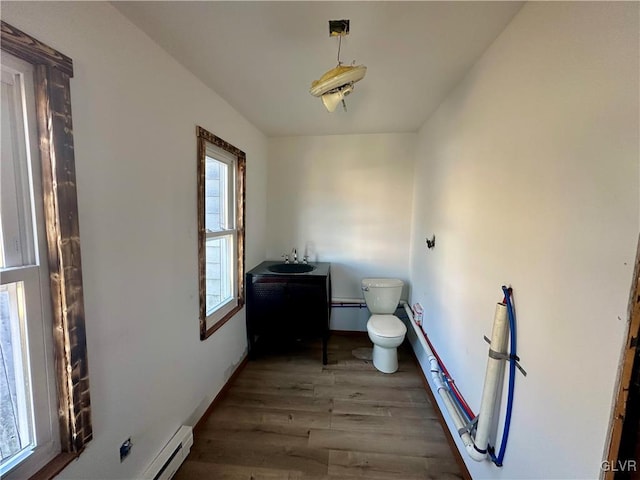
<point>338,28</point>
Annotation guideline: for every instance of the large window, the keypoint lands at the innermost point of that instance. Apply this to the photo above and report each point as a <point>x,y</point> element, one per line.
<point>221,176</point>
<point>45,414</point>
<point>28,423</point>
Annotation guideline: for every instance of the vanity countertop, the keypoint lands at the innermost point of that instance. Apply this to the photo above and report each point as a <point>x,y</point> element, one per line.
<point>321,270</point>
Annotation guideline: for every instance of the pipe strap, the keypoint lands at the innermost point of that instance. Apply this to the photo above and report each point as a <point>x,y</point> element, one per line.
<point>506,356</point>
<point>498,356</point>
<point>483,452</point>
<point>469,427</point>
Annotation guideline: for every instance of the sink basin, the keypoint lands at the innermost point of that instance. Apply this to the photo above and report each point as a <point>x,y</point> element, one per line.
<point>291,268</point>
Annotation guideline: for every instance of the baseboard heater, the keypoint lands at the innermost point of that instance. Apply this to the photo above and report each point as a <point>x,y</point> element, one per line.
<point>165,465</point>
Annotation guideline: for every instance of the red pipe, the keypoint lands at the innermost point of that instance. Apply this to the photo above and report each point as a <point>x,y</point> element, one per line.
<point>449,380</point>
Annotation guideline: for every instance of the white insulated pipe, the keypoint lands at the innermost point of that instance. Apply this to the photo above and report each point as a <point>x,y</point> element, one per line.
<point>499,333</point>
<point>443,390</point>
<point>492,377</point>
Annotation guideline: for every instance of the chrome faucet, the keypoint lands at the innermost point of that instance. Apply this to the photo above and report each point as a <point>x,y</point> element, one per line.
<point>286,257</point>
<point>305,259</point>
<point>294,255</point>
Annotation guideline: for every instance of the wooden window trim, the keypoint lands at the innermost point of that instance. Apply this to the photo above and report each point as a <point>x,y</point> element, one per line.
<point>52,72</point>
<point>205,136</point>
<point>625,370</point>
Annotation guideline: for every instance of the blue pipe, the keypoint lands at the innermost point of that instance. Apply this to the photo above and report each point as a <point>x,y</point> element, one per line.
<point>491,451</point>
<point>455,398</point>
<point>512,375</point>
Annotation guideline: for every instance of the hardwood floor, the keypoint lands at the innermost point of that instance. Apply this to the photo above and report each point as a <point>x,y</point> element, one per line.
<point>287,416</point>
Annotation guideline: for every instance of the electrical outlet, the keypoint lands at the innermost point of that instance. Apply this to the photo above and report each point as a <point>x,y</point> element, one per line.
<point>125,449</point>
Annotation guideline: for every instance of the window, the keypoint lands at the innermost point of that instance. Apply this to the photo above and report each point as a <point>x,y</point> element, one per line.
<point>221,177</point>
<point>28,420</point>
<point>45,409</point>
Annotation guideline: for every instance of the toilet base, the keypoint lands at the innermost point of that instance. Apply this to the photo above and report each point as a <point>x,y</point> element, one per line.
<point>385,359</point>
<point>387,333</point>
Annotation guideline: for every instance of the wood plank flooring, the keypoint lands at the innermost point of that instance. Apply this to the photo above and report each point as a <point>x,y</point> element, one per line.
<point>287,416</point>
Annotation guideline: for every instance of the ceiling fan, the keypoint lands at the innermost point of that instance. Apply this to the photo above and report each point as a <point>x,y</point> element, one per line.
<point>338,82</point>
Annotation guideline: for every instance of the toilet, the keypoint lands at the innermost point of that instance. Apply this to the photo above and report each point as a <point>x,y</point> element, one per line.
<point>386,331</point>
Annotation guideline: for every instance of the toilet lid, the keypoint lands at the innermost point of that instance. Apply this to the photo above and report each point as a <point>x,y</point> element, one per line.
<point>386,326</point>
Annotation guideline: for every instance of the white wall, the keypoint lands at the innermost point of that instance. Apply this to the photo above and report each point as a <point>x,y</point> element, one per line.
<point>135,110</point>
<point>344,199</point>
<point>528,174</point>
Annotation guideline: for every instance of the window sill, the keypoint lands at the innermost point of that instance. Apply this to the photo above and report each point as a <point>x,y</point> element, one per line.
<point>55,466</point>
<point>224,319</point>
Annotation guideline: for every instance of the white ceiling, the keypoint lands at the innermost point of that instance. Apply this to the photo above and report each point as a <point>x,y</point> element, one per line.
<point>261,57</point>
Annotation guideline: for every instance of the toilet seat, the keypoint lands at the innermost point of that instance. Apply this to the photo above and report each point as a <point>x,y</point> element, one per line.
<point>387,326</point>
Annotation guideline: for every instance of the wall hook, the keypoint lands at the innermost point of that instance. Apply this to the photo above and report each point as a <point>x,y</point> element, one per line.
<point>431,243</point>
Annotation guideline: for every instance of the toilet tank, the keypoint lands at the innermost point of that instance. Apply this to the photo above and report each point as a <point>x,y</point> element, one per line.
<point>382,294</point>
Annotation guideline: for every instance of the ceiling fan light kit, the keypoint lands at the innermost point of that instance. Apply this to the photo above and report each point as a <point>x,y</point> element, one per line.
<point>331,100</point>
<point>338,82</point>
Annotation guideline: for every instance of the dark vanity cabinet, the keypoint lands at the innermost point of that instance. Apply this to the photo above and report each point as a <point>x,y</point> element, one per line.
<point>284,307</point>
